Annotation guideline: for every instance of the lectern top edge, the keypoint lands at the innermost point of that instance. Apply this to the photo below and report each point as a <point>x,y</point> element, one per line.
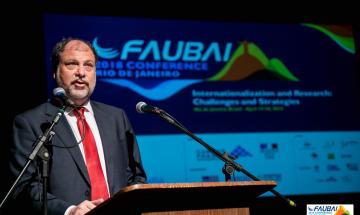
<point>196,185</point>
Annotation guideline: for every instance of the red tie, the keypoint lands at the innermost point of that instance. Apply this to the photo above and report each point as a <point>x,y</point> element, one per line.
<point>97,179</point>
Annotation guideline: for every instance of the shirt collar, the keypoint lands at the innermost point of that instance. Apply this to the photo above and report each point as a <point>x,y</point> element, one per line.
<point>87,107</point>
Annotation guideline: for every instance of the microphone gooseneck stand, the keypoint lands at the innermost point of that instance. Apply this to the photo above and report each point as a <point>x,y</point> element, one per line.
<point>40,151</point>
<point>230,164</point>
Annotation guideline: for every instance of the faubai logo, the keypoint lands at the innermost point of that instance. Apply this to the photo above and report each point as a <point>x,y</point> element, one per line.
<point>330,209</point>
<point>158,69</point>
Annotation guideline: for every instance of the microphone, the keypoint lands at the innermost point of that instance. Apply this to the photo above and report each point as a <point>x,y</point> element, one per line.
<point>142,107</point>
<point>60,95</point>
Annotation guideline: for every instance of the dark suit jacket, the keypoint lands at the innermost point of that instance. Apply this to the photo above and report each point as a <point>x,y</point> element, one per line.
<point>68,181</point>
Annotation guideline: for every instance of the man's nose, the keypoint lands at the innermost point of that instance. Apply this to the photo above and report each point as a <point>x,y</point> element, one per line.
<point>80,71</point>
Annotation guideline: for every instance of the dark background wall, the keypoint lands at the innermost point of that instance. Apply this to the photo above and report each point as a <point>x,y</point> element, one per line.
<point>23,68</point>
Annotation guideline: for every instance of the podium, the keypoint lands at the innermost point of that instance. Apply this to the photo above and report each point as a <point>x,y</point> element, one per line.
<point>203,198</point>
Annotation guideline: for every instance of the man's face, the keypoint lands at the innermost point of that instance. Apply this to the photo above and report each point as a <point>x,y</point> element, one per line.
<point>76,72</point>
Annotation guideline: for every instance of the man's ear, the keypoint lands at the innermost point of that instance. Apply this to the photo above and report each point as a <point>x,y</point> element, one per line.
<point>54,75</point>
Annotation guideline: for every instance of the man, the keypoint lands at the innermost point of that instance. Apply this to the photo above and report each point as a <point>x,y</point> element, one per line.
<point>80,176</point>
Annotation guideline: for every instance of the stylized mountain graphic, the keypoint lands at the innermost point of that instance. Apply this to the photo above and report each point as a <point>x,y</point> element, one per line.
<point>342,211</point>
<point>340,34</point>
<point>250,63</point>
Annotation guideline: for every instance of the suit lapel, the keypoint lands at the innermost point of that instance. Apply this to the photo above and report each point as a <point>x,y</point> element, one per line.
<point>105,129</point>
<point>64,133</point>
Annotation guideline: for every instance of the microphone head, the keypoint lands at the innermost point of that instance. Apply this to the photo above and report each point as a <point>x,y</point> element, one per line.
<point>59,91</point>
<point>61,98</point>
<point>140,106</point>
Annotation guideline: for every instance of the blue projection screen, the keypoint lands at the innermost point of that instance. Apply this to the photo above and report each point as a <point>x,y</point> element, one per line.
<point>281,99</point>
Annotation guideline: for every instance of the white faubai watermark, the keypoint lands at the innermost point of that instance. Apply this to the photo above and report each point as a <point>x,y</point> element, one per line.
<point>329,209</point>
